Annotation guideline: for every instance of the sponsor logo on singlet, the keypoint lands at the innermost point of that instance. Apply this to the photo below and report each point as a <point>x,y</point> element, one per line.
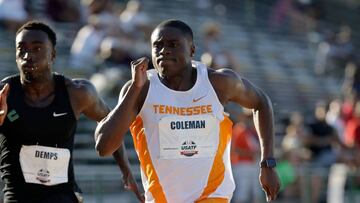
<point>43,175</point>
<point>188,148</point>
<point>12,115</point>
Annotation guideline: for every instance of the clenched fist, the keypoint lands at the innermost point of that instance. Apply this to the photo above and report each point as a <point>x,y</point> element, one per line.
<point>138,71</point>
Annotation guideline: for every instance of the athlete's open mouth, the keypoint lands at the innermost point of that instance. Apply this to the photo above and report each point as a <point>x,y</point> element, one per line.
<point>165,60</point>
<point>29,66</point>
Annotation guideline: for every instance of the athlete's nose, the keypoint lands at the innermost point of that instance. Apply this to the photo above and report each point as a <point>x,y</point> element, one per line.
<point>27,56</point>
<point>164,51</point>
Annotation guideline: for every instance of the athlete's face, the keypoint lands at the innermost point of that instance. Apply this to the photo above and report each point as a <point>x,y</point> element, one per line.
<point>34,55</point>
<point>172,51</point>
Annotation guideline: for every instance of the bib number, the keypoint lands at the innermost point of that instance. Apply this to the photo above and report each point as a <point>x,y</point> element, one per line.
<point>188,137</point>
<point>44,165</point>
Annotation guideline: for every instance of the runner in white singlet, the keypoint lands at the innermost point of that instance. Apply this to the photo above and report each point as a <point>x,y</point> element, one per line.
<point>180,130</point>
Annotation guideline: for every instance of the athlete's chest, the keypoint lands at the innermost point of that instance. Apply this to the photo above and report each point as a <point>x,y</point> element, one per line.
<point>47,125</point>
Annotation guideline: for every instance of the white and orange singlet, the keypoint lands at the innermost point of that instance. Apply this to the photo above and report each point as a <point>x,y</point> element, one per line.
<point>182,139</point>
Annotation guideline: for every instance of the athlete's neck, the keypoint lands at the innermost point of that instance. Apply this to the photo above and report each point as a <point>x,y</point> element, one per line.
<point>182,82</point>
<point>39,93</point>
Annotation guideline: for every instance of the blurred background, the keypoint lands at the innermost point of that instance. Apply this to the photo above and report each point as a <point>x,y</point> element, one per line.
<point>302,53</point>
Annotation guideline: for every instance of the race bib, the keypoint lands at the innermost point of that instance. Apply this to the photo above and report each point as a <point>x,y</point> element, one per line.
<point>188,136</point>
<point>44,165</point>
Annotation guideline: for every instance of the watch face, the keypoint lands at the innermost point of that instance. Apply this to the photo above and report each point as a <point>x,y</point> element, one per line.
<point>270,163</point>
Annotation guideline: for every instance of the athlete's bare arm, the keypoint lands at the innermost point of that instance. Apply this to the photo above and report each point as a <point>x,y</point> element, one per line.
<point>3,104</point>
<point>230,86</point>
<point>128,178</point>
<point>111,130</point>
<point>85,99</point>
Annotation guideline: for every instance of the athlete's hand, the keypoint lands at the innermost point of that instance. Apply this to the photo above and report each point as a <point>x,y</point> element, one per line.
<point>270,183</point>
<point>130,184</point>
<point>3,105</point>
<point>138,71</point>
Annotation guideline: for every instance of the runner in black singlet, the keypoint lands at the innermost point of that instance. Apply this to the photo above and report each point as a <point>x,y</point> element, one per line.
<point>39,110</point>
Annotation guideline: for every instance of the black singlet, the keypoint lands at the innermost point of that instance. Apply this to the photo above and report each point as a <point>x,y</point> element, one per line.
<point>26,125</point>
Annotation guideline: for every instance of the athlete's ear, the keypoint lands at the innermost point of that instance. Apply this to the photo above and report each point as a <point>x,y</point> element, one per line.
<point>53,54</point>
<point>192,50</point>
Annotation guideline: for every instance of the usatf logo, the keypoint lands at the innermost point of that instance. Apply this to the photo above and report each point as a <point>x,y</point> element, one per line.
<point>13,115</point>
<point>43,176</point>
<point>188,148</point>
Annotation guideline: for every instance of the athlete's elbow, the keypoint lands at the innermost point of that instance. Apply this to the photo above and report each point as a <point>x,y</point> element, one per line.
<point>102,149</point>
<point>265,103</point>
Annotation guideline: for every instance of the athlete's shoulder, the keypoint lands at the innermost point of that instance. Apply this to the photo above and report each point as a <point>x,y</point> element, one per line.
<point>80,84</point>
<point>80,88</point>
<point>223,72</point>
<point>9,79</point>
<point>223,76</point>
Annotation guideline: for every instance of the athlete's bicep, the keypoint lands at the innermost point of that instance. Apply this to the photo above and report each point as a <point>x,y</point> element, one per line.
<point>86,100</point>
<point>240,90</point>
<point>246,93</point>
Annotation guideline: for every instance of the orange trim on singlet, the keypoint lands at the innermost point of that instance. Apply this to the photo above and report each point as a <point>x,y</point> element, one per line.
<point>140,144</point>
<point>217,172</point>
<point>214,200</point>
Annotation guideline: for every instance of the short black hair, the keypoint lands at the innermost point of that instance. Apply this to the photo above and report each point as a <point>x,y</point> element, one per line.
<point>178,24</point>
<point>37,25</point>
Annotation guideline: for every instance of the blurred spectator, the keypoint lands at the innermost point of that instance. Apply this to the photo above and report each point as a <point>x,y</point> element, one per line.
<point>345,47</point>
<point>244,160</point>
<point>321,141</point>
<point>13,14</point>
<point>335,53</point>
<point>107,12</point>
<point>215,56</point>
<point>293,155</point>
<point>288,168</point>
<point>134,21</point>
<point>102,22</point>
<point>351,84</point>
<point>335,119</point>
<point>352,130</point>
<point>86,44</point>
<point>280,14</point>
<point>203,5</point>
<point>64,10</point>
<point>115,55</point>
<point>116,52</point>
<point>295,132</point>
<point>344,51</point>
<point>348,106</point>
<point>321,138</point>
<point>324,63</point>
<point>302,16</point>
<point>312,11</point>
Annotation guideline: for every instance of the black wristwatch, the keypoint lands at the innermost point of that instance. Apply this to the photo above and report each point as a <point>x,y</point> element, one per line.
<point>268,163</point>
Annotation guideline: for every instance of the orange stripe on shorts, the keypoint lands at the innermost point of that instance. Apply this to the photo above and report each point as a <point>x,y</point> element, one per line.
<point>217,172</point>
<point>140,143</point>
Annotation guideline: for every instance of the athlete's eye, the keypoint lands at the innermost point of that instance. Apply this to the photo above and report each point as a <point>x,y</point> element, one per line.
<point>173,45</point>
<point>157,46</point>
<point>21,50</point>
